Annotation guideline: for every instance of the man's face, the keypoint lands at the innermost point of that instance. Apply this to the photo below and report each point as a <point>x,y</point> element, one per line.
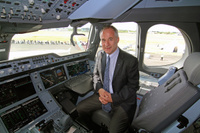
<point>109,41</point>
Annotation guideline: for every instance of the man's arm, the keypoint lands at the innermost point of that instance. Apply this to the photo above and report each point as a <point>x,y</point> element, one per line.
<point>96,74</point>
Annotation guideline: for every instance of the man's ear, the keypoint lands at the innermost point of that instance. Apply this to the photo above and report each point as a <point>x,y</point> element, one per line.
<point>117,39</point>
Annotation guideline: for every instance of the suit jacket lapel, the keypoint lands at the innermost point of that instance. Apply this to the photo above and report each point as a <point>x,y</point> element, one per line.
<point>118,65</point>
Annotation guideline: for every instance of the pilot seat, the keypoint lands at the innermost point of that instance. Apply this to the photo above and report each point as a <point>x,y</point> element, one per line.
<point>166,103</point>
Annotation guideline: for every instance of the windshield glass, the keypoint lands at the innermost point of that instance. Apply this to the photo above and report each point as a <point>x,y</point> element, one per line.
<point>55,40</point>
<point>165,45</point>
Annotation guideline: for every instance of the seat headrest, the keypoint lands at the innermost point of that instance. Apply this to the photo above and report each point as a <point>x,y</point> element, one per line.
<point>192,68</point>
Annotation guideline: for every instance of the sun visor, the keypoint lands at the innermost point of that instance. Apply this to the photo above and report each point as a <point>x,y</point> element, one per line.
<point>103,9</point>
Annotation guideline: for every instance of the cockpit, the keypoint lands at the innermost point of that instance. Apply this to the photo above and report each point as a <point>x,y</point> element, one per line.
<point>48,52</point>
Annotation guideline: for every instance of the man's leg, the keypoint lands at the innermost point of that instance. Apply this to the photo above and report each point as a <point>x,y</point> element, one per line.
<point>120,121</point>
<point>89,105</point>
<point>86,107</point>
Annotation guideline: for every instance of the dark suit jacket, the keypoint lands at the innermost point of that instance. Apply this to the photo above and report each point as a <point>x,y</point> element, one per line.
<point>125,80</point>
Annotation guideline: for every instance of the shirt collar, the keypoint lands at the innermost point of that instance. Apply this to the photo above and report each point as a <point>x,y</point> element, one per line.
<point>114,53</point>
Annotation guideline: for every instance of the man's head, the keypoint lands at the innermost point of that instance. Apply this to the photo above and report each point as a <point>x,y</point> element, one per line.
<point>109,39</point>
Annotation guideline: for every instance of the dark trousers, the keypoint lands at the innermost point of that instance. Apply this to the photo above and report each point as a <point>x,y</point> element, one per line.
<point>119,121</point>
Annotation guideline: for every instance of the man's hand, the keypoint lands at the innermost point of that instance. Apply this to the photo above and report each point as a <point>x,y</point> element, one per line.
<point>104,96</point>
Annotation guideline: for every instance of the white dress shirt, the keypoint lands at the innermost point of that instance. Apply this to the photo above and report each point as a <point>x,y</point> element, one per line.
<point>113,60</point>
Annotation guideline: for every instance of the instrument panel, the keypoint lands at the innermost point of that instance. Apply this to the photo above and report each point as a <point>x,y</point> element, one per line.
<point>27,64</point>
<point>26,102</point>
<point>54,76</point>
<point>16,90</point>
<point>19,116</point>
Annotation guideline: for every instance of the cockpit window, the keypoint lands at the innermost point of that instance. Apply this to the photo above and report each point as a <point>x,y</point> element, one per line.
<point>55,40</point>
<point>165,45</point>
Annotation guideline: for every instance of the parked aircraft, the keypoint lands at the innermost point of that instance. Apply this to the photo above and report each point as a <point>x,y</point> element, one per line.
<point>47,57</point>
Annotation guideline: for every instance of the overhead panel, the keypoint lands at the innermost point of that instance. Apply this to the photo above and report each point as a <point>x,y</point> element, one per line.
<point>37,11</point>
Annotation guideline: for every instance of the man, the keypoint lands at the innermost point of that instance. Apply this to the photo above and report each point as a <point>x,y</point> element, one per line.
<point>123,81</point>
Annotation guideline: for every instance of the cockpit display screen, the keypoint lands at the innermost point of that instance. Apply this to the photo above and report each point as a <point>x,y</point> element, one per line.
<point>78,68</point>
<point>53,77</point>
<point>15,90</point>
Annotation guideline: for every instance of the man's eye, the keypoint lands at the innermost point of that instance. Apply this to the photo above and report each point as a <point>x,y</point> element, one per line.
<point>110,39</point>
<point>102,40</point>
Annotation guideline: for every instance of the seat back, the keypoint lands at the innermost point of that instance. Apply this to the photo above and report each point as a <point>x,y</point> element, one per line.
<point>163,105</point>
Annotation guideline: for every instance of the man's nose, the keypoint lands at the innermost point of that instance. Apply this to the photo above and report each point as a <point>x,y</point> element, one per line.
<point>107,43</point>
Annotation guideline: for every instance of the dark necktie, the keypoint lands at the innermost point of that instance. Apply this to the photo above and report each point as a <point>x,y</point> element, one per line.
<point>106,107</point>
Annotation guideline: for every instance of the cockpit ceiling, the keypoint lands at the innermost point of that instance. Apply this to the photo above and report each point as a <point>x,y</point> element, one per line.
<point>103,9</point>
<point>64,11</point>
<point>48,11</point>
